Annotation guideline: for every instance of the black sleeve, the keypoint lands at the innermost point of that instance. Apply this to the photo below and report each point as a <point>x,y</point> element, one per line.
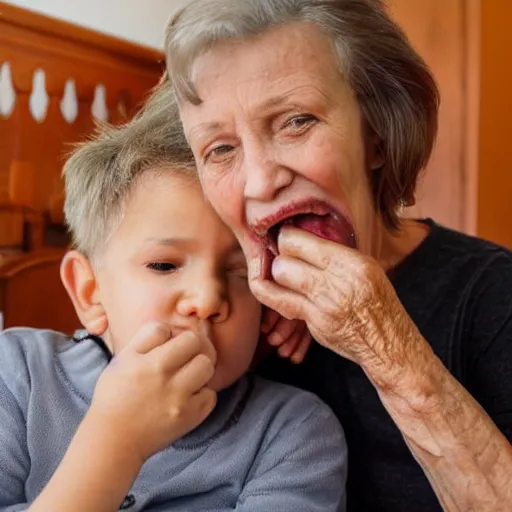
<point>490,342</point>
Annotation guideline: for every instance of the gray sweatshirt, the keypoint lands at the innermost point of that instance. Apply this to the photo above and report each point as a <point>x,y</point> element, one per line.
<point>266,447</point>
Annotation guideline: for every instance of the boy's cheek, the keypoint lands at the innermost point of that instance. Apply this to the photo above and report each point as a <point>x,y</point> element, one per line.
<point>263,350</point>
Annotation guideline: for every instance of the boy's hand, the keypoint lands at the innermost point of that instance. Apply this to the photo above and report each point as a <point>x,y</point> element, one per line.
<point>155,390</point>
<point>291,337</point>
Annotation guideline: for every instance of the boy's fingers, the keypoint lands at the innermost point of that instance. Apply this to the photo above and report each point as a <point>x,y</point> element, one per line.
<point>302,349</point>
<point>283,330</point>
<point>269,320</point>
<point>148,337</point>
<point>203,402</point>
<point>197,408</point>
<point>179,351</point>
<point>195,375</point>
<point>290,345</point>
<point>205,334</point>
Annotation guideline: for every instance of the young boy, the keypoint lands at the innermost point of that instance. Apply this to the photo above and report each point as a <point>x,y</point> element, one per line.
<point>151,407</point>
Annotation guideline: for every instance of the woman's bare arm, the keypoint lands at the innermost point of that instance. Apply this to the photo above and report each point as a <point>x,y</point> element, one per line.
<point>466,458</point>
<point>351,308</point>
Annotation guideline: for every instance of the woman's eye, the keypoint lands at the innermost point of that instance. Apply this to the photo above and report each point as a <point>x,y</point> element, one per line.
<point>159,266</point>
<point>219,152</point>
<point>299,123</point>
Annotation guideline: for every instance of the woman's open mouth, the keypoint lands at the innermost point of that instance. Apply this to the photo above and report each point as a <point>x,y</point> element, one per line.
<point>315,217</point>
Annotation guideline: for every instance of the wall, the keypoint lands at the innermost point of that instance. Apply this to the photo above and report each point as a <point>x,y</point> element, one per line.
<point>136,20</point>
<point>495,132</point>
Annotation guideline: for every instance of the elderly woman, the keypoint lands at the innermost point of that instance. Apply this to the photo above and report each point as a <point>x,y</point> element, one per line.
<point>310,121</point>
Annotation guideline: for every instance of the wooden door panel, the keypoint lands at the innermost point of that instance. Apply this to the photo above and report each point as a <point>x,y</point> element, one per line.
<point>436,28</point>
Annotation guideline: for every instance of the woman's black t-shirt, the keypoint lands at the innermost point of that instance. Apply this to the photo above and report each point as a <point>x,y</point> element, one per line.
<point>458,291</point>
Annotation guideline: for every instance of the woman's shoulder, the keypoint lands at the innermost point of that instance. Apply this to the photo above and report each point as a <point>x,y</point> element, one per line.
<point>484,265</point>
<point>451,244</point>
<point>449,259</point>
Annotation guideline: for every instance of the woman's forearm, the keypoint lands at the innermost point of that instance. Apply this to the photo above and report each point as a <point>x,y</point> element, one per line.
<point>96,473</point>
<point>467,460</point>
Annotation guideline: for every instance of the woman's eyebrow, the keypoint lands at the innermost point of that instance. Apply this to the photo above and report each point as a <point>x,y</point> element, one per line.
<point>205,129</point>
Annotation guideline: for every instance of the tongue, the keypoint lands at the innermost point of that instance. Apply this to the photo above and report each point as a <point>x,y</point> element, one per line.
<point>323,226</point>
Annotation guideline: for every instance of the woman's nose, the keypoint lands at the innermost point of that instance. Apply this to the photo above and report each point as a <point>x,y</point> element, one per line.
<point>206,299</point>
<point>264,175</point>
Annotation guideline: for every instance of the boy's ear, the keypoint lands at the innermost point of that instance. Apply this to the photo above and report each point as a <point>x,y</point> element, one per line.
<point>80,282</point>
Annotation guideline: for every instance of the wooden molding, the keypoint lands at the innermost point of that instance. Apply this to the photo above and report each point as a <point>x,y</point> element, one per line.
<point>45,26</point>
<point>32,150</point>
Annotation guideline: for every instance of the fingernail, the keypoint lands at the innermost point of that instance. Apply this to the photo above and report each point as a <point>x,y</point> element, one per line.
<point>296,359</point>
<point>275,339</point>
<point>285,351</point>
<point>265,328</point>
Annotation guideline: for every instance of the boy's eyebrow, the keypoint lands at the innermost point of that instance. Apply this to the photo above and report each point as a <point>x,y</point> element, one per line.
<point>184,242</point>
<point>174,241</point>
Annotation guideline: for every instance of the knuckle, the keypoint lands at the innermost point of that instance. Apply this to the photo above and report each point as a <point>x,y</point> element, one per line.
<point>192,340</point>
<point>158,329</point>
<point>204,361</point>
<point>158,366</point>
<point>285,327</point>
<point>210,399</point>
<point>308,283</point>
<point>326,261</point>
<point>177,411</point>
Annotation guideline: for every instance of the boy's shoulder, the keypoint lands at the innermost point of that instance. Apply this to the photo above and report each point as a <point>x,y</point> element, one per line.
<point>279,405</point>
<point>20,344</point>
<point>277,394</point>
<point>34,357</point>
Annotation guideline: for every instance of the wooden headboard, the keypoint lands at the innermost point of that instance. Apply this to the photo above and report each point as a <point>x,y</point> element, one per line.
<point>56,78</point>
<point>31,293</point>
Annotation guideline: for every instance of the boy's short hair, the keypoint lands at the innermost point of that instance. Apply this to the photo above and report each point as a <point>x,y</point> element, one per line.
<point>100,173</point>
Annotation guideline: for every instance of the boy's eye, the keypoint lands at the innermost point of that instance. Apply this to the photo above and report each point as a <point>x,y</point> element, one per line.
<point>160,266</point>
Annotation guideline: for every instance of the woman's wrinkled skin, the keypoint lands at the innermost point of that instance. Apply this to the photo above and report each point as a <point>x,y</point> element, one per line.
<point>279,132</point>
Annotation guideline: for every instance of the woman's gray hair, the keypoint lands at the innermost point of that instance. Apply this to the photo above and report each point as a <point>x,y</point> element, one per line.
<point>395,89</point>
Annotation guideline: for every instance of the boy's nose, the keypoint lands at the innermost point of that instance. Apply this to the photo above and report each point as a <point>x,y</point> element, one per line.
<point>206,300</point>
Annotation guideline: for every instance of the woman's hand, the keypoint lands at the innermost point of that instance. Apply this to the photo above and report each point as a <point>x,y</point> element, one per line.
<point>345,298</point>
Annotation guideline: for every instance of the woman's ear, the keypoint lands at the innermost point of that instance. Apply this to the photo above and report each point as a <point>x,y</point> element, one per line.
<point>375,157</point>
<point>80,282</point>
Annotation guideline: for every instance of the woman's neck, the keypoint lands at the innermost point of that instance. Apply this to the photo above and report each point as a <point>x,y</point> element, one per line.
<point>394,246</point>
